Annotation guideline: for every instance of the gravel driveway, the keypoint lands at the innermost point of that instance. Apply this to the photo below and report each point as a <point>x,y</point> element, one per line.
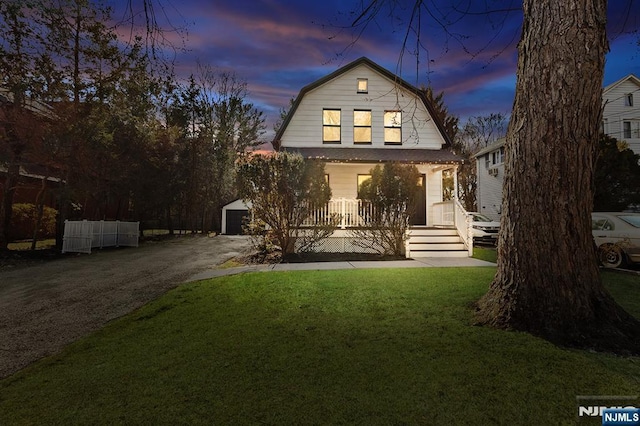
<point>47,306</point>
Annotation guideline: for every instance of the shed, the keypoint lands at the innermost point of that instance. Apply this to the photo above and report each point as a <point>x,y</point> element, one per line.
<point>233,215</point>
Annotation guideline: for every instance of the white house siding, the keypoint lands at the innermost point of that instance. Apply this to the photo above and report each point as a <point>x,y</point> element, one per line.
<point>305,127</point>
<point>616,112</point>
<point>343,178</point>
<point>489,189</point>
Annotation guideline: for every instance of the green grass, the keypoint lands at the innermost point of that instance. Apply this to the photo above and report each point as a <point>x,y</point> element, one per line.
<point>485,253</point>
<point>390,346</point>
<point>26,245</point>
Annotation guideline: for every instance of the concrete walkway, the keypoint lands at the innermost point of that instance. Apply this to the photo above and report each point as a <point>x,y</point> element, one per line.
<point>430,262</point>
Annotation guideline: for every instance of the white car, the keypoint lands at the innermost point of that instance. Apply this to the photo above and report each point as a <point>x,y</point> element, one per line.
<point>484,229</point>
<point>617,237</point>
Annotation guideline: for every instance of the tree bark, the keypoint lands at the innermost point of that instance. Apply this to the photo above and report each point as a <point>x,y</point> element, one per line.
<point>10,185</point>
<point>39,212</point>
<point>547,281</point>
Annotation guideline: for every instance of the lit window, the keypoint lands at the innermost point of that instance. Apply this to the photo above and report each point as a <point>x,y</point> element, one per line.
<point>361,180</point>
<point>361,126</point>
<point>626,129</point>
<point>331,126</point>
<point>393,127</point>
<point>628,99</point>
<point>363,85</point>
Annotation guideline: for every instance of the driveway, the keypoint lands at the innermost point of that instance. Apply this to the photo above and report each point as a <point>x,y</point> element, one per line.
<point>47,306</point>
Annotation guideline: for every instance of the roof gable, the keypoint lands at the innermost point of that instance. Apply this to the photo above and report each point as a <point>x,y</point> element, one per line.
<point>490,148</point>
<point>632,78</point>
<point>379,70</point>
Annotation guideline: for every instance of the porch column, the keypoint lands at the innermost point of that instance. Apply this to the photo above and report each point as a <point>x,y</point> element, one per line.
<point>455,183</point>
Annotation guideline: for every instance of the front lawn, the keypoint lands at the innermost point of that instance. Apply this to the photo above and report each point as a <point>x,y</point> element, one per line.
<point>386,346</point>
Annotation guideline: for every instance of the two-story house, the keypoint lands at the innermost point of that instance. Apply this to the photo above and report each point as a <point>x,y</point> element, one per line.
<point>363,115</point>
<point>621,111</point>
<point>620,120</point>
<point>490,174</point>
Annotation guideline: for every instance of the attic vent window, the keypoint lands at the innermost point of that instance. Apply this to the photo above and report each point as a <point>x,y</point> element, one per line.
<point>363,85</point>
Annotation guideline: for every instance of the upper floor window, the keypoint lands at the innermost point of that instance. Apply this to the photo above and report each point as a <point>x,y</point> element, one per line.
<point>362,126</point>
<point>393,127</point>
<point>363,85</point>
<point>331,126</point>
<point>628,99</point>
<point>494,158</point>
<point>498,156</point>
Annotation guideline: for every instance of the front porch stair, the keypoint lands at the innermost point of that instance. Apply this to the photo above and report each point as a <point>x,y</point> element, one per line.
<point>435,242</point>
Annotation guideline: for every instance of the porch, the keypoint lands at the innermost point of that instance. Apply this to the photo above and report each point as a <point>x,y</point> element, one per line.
<point>449,233</point>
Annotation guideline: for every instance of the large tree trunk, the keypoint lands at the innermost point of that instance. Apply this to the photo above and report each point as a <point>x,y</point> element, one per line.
<point>548,281</point>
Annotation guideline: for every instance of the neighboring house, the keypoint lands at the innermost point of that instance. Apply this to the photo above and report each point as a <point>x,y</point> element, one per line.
<point>30,184</point>
<point>621,120</point>
<point>621,113</point>
<point>363,115</point>
<point>490,174</point>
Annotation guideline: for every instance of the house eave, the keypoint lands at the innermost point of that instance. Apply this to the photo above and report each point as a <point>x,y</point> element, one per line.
<point>378,155</point>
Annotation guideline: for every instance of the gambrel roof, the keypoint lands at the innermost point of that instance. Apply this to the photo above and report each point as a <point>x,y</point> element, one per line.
<point>380,70</point>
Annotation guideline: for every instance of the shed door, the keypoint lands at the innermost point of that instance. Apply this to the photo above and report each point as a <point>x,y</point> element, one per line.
<point>234,221</point>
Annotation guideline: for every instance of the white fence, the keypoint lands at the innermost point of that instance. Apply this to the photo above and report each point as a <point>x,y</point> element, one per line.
<point>351,212</point>
<point>82,236</point>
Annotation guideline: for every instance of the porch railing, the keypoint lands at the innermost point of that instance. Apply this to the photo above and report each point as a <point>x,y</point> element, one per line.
<point>350,212</point>
<point>354,213</point>
<point>452,213</point>
<point>464,225</point>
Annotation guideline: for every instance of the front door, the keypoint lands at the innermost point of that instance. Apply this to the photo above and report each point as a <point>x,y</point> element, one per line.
<point>419,214</point>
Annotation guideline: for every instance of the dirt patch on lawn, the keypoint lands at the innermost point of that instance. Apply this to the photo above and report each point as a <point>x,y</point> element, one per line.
<point>46,304</point>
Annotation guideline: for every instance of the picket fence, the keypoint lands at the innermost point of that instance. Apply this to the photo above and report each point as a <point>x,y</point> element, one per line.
<point>82,236</point>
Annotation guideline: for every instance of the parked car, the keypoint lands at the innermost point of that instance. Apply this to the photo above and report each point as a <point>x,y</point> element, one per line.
<point>485,230</point>
<point>617,237</point>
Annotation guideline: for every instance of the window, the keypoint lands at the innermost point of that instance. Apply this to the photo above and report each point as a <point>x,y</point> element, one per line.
<point>331,126</point>
<point>628,99</point>
<point>497,157</point>
<point>361,126</point>
<point>393,127</point>
<point>626,129</point>
<point>361,180</point>
<point>601,224</point>
<point>363,85</point>
<point>631,220</point>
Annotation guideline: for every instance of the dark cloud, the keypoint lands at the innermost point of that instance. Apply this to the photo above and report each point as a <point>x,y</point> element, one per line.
<point>279,46</point>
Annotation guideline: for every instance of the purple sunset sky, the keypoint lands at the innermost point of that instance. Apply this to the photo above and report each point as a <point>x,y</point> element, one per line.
<point>279,46</point>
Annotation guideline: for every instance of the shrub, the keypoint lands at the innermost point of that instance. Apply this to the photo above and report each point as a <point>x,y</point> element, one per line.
<point>284,190</point>
<point>388,199</point>
<point>23,219</point>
